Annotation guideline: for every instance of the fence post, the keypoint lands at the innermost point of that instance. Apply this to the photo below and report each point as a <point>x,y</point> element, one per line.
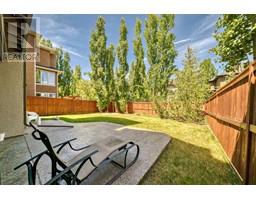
<point>250,103</point>
<point>46,105</point>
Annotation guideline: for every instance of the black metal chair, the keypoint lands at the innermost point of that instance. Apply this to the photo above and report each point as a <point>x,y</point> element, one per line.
<point>80,167</point>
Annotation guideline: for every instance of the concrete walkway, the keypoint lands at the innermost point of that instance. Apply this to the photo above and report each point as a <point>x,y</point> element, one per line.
<point>14,151</point>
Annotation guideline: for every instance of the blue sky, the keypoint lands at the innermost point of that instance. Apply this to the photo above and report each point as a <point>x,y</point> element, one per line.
<point>72,33</point>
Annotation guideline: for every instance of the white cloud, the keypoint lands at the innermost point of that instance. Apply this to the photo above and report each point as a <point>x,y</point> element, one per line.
<point>203,43</point>
<point>205,25</point>
<point>52,26</point>
<point>198,41</point>
<point>73,52</point>
<point>202,51</point>
<point>200,46</point>
<point>183,41</point>
<point>67,49</point>
<point>59,33</point>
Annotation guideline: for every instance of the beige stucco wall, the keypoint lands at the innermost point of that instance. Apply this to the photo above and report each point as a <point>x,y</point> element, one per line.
<point>11,99</point>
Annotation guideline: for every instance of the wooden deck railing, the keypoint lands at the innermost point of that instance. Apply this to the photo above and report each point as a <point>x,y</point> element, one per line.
<point>231,114</point>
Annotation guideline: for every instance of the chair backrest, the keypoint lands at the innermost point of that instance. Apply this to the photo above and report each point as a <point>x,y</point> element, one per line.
<point>44,138</point>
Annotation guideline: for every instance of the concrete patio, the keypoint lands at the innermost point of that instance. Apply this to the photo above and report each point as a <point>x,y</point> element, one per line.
<point>16,150</point>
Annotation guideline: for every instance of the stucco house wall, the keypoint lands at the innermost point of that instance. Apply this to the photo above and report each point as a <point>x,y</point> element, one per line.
<point>12,98</point>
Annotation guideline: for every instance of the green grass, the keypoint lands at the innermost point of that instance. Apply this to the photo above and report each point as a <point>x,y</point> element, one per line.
<point>194,156</point>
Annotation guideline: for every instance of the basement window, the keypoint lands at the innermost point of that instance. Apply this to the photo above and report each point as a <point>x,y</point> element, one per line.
<point>46,94</point>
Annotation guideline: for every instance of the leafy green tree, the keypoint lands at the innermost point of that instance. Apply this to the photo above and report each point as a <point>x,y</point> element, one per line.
<point>81,87</point>
<point>192,88</point>
<point>138,78</point>
<point>65,78</point>
<point>236,40</point>
<point>185,104</point>
<point>45,42</point>
<point>110,79</point>
<point>122,71</point>
<point>102,60</point>
<point>76,78</point>
<point>85,89</point>
<point>161,54</point>
<point>207,70</point>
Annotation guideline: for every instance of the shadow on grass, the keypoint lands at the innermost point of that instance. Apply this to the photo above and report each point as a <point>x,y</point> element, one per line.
<point>185,163</point>
<point>116,120</point>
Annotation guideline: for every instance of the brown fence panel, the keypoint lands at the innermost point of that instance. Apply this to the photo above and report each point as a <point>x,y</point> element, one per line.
<point>141,108</point>
<point>58,106</point>
<point>38,105</point>
<point>77,106</point>
<point>231,114</point>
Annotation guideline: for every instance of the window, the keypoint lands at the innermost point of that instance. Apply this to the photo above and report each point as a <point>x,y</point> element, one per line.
<point>38,76</point>
<point>45,94</point>
<point>45,78</point>
<point>52,95</point>
<point>51,79</point>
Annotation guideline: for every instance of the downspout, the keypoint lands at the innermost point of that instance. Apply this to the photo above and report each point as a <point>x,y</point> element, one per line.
<point>2,39</point>
<point>24,94</point>
<point>25,84</point>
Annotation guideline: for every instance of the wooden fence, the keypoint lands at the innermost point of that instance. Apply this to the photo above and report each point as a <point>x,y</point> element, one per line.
<point>231,114</point>
<point>59,106</point>
<point>146,108</point>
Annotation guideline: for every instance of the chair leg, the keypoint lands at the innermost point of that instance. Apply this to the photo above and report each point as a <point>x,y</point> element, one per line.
<point>125,166</point>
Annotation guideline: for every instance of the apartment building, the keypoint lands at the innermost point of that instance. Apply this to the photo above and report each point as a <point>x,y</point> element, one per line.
<point>42,75</point>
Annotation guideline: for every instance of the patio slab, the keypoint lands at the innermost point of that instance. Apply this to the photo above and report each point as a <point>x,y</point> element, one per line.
<point>16,150</point>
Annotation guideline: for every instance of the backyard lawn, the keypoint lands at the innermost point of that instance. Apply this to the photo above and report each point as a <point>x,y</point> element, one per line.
<point>194,156</point>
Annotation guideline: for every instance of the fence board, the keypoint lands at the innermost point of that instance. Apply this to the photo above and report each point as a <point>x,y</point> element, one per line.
<point>231,116</point>
<point>146,108</point>
<point>58,106</point>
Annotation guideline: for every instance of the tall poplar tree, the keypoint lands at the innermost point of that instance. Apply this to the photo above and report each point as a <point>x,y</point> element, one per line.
<point>76,78</point>
<point>122,71</point>
<point>160,53</point>
<point>138,78</point>
<point>110,79</point>
<point>64,78</point>
<point>102,60</point>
